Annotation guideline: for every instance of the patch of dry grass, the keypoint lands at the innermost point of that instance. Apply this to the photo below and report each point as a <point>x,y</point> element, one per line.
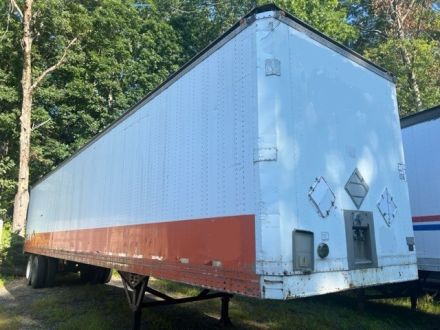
<point>71,305</point>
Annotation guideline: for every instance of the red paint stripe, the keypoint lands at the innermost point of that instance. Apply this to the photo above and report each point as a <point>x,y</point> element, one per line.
<point>218,253</point>
<point>426,218</point>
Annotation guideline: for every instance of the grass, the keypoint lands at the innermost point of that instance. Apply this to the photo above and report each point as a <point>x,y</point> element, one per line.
<point>426,304</point>
<point>5,279</point>
<point>71,305</point>
<point>8,321</point>
<point>323,312</point>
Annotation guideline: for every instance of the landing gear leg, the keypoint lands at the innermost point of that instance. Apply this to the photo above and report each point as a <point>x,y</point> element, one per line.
<point>361,300</point>
<point>414,295</point>
<point>224,318</point>
<point>135,287</point>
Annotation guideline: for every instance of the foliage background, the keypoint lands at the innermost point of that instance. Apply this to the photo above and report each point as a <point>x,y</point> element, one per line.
<point>128,47</point>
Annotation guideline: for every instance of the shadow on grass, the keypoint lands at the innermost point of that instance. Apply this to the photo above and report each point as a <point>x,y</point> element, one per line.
<point>73,305</point>
<point>323,312</point>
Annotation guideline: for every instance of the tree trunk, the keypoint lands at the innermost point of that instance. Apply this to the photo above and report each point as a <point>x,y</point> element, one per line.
<point>412,77</point>
<point>22,197</point>
<point>399,18</point>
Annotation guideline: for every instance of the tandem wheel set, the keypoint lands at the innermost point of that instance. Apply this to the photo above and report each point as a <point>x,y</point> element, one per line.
<point>41,272</point>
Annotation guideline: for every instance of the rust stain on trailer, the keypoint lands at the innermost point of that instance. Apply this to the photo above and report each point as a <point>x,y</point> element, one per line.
<point>230,241</point>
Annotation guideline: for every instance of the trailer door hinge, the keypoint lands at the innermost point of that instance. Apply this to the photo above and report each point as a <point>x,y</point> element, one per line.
<point>265,154</point>
<point>273,67</point>
<point>402,171</point>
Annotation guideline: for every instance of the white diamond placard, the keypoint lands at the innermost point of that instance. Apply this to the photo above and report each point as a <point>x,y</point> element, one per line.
<point>356,188</point>
<point>322,197</point>
<point>387,207</point>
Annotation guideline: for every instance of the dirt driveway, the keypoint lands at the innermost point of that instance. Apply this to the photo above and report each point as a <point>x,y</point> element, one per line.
<point>73,305</point>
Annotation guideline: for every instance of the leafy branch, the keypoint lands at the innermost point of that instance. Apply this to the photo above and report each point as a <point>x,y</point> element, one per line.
<point>56,65</point>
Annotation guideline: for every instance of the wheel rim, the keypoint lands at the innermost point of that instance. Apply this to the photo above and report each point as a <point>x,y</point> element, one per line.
<point>28,268</point>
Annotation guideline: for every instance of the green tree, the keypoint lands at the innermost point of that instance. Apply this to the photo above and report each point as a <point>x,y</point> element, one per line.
<point>402,36</point>
<point>33,26</point>
<point>122,50</point>
<point>128,52</point>
<point>329,17</point>
<point>10,98</point>
<point>200,22</point>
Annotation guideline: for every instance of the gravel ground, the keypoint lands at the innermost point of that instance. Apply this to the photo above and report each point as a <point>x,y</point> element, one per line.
<point>73,305</point>
<point>22,307</point>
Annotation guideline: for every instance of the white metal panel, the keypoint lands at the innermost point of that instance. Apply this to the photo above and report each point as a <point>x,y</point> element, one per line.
<point>327,282</point>
<point>247,131</point>
<point>269,253</point>
<point>186,154</point>
<point>423,164</point>
<point>332,116</point>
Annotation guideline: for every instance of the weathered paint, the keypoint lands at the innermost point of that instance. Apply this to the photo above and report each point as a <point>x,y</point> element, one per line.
<point>326,117</point>
<point>218,253</point>
<point>244,131</point>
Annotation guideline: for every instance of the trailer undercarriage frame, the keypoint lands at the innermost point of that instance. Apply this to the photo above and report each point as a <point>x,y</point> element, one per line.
<point>411,289</point>
<point>135,287</point>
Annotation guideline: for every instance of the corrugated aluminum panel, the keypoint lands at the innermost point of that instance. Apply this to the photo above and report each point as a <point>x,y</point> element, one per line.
<point>423,164</point>
<point>261,136</point>
<point>186,154</point>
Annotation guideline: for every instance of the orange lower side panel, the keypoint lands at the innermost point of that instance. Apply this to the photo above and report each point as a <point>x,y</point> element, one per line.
<point>218,253</point>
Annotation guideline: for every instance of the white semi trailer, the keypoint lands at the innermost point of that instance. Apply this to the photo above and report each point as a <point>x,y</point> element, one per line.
<point>421,136</point>
<point>269,166</point>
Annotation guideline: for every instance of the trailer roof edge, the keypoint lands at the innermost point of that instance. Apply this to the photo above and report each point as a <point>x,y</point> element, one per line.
<point>420,117</point>
<point>325,40</point>
<point>217,43</point>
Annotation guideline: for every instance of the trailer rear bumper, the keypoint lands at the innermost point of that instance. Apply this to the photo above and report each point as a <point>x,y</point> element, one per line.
<point>299,286</point>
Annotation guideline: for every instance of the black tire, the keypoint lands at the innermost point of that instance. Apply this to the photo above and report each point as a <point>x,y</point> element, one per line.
<point>52,267</point>
<point>106,275</point>
<point>85,273</point>
<point>99,275</point>
<point>109,276</point>
<point>95,275</point>
<point>29,269</point>
<point>38,272</point>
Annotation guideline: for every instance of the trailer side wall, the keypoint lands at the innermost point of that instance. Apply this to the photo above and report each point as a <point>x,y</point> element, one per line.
<point>169,191</point>
<point>423,164</point>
